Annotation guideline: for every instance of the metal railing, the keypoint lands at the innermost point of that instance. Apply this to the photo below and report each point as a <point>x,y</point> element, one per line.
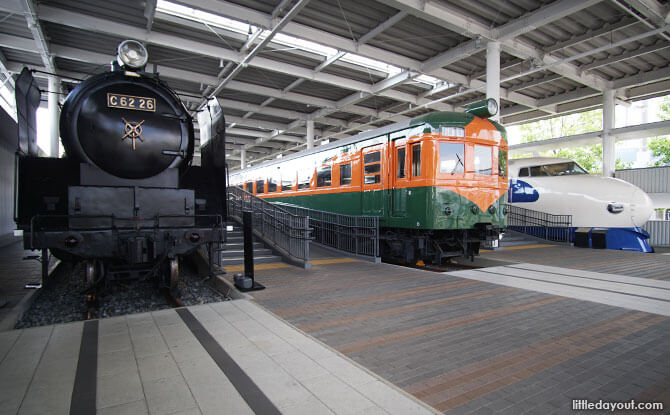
<point>286,230</point>
<point>358,235</point>
<point>542,225</point>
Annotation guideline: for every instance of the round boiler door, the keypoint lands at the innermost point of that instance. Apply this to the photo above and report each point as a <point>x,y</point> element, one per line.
<point>129,131</point>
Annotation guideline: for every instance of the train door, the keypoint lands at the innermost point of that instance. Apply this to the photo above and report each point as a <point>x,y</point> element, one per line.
<point>372,200</point>
<point>398,178</point>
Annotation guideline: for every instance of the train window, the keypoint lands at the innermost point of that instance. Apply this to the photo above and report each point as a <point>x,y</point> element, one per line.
<point>323,177</point>
<point>272,185</point>
<point>250,187</point>
<point>286,184</point>
<point>537,171</point>
<point>372,168</point>
<point>372,179</point>
<point>260,184</point>
<point>345,174</point>
<point>564,169</point>
<point>416,160</point>
<point>524,172</point>
<point>502,163</point>
<point>451,157</point>
<point>372,157</point>
<point>483,160</point>
<point>401,163</point>
<point>303,180</point>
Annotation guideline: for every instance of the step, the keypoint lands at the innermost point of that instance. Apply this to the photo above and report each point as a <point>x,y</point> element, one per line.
<point>257,260</point>
<point>240,253</point>
<point>240,245</point>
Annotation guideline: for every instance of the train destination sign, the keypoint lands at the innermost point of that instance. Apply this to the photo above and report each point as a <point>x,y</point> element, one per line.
<point>131,102</point>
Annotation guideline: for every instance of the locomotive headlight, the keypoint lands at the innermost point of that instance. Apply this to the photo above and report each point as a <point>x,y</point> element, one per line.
<point>132,54</point>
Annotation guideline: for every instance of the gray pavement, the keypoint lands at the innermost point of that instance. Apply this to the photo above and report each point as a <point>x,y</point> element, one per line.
<point>153,363</point>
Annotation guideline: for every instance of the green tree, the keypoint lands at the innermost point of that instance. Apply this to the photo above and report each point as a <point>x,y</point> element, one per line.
<point>664,109</point>
<point>590,157</point>
<point>584,122</point>
<point>660,146</point>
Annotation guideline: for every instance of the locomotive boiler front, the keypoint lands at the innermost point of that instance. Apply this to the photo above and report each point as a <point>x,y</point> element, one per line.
<point>126,124</point>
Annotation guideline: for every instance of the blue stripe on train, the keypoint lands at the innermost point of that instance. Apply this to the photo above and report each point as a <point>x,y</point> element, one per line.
<point>521,192</point>
<point>625,239</point>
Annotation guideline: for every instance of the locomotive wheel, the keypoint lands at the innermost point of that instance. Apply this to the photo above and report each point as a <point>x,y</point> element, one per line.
<point>172,273</point>
<point>94,271</point>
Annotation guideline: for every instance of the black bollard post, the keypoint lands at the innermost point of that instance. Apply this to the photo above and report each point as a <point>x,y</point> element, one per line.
<point>246,282</point>
<point>248,246</point>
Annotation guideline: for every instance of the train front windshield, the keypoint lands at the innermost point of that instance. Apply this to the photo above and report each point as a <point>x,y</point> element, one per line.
<point>559,169</point>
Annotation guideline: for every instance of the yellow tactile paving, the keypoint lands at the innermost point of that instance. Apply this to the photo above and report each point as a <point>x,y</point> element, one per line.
<point>509,248</point>
<point>274,265</point>
<point>333,261</point>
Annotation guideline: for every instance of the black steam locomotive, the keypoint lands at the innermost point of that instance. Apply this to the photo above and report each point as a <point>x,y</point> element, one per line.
<point>125,199</point>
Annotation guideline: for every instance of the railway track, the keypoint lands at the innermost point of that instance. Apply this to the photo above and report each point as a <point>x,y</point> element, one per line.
<point>67,298</point>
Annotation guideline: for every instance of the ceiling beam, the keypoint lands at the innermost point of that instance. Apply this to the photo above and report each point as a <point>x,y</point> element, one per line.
<point>623,133</point>
<point>448,17</point>
<point>597,63</point>
<point>381,27</point>
<point>40,40</point>
<point>246,59</point>
<point>301,31</point>
<point>150,13</point>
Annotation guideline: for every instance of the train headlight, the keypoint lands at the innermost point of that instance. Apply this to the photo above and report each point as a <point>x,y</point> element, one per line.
<point>132,54</point>
<point>615,208</point>
<point>484,109</point>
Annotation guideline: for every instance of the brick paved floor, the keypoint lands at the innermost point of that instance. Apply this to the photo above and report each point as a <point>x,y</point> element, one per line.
<point>634,264</point>
<point>468,346</point>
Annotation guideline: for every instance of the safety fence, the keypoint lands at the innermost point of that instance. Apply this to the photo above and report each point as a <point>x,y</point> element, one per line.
<point>287,230</point>
<point>542,225</point>
<point>357,235</point>
<point>659,232</point>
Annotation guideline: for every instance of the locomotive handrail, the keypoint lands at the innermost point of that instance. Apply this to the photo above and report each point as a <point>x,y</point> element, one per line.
<point>557,228</point>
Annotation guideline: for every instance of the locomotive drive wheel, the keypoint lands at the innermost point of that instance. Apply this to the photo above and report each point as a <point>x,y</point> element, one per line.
<point>171,274</point>
<point>94,270</point>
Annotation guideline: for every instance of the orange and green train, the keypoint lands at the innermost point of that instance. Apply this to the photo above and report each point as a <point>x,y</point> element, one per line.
<point>437,182</point>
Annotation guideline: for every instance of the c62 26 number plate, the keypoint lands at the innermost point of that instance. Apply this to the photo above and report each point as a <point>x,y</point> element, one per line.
<point>130,102</point>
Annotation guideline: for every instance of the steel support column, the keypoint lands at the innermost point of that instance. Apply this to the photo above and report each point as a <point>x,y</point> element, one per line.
<point>243,158</point>
<point>310,134</point>
<point>609,154</point>
<point>493,74</point>
<point>54,115</point>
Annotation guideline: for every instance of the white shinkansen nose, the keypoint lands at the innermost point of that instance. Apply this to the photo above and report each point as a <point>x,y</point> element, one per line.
<point>641,206</point>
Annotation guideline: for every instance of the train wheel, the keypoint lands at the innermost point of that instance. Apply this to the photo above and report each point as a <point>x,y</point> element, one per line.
<point>90,272</point>
<point>172,273</point>
<point>94,270</point>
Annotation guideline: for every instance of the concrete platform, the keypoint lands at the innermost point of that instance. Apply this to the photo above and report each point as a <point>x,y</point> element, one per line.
<point>232,357</point>
<point>15,273</point>
<point>633,264</point>
<point>468,344</point>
